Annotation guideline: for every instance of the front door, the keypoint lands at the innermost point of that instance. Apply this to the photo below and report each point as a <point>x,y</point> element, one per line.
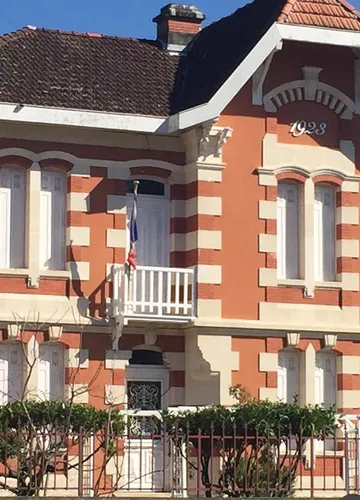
<point>146,460</point>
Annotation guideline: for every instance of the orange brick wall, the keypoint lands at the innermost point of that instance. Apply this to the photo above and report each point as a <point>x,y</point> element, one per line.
<point>97,376</point>
<point>240,224</point>
<point>99,187</point>
<point>250,377</point>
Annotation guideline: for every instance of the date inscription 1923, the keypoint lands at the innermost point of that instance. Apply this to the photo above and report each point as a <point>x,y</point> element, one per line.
<point>301,127</point>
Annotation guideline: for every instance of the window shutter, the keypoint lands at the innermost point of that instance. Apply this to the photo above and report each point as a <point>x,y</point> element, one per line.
<point>4,375</point>
<point>288,376</point>
<point>45,222</point>
<point>318,242</point>
<point>15,372</point>
<point>319,380</point>
<point>51,369</point>
<point>17,237</point>
<point>288,230</point>
<point>281,233</point>
<point>329,234</point>
<point>281,378</point>
<point>325,379</point>
<point>43,373</point>
<point>324,233</point>
<point>293,376</point>
<point>59,220</point>
<point>12,209</point>
<point>53,220</point>
<point>5,205</point>
<point>56,361</point>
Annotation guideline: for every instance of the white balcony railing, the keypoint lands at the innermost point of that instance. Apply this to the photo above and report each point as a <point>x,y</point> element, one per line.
<point>160,293</point>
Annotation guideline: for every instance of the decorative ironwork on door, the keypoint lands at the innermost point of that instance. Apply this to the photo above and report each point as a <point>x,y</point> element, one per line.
<point>143,396</point>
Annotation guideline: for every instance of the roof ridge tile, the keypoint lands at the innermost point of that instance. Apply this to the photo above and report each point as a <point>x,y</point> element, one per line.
<point>333,14</point>
<point>14,35</point>
<point>350,7</point>
<point>286,10</point>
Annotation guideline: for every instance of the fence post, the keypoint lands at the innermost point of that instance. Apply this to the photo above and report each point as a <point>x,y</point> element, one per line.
<point>347,460</point>
<point>81,465</point>
<point>184,492</point>
<point>357,472</point>
<point>312,464</point>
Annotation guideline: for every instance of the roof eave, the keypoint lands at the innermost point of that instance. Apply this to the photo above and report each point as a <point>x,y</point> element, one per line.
<point>277,33</point>
<point>24,113</point>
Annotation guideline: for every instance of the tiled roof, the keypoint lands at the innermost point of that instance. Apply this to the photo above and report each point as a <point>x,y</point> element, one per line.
<point>86,71</point>
<point>336,14</point>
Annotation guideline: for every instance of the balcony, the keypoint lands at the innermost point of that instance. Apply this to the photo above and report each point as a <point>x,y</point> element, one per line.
<point>153,293</point>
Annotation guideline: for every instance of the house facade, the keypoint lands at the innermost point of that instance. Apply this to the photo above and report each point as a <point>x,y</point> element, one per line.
<point>243,137</point>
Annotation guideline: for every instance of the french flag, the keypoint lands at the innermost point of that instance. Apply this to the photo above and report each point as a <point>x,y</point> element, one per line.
<point>133,229</point>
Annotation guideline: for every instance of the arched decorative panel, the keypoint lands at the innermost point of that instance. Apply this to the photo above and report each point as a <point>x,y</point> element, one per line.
<point>310,89</point>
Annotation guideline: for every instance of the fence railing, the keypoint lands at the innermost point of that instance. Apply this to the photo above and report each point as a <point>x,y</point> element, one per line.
<point>152,457</point>
<point>154,292</point>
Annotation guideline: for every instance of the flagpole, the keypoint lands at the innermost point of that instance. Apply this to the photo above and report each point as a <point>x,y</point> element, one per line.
<point>132,244</point>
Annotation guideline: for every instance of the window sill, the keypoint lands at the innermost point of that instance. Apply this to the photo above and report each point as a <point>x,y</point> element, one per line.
<point>55,274</point>
<point>329,284</point>
<point>14,272</point>
<point>292,282</point>
<point>300,283</point>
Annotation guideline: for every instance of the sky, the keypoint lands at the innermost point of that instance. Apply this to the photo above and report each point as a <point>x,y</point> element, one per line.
<point>130,18</point>
<point>113,17</point>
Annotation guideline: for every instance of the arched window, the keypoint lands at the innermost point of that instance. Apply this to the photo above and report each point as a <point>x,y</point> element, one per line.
<point>288,376</point>
<point>324,233</point>
<point>53,220</point>
<point>12,209</point>
<point>51,372</point>
<point>288,230</point>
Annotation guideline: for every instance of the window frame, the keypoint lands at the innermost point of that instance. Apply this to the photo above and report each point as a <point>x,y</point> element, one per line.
<point>282,239</point>
<point>21,269</point>
<point>287,353</point>
<point>323,354</point>
<point>320,246</point>
<point>8,346</point>
<point>50,270</point>
<point>61,383</point>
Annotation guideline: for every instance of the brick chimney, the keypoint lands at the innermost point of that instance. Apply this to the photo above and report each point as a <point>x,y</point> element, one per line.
<point>177,25</point>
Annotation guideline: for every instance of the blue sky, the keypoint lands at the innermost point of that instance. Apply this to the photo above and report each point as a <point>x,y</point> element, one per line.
<point>114,17</point>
